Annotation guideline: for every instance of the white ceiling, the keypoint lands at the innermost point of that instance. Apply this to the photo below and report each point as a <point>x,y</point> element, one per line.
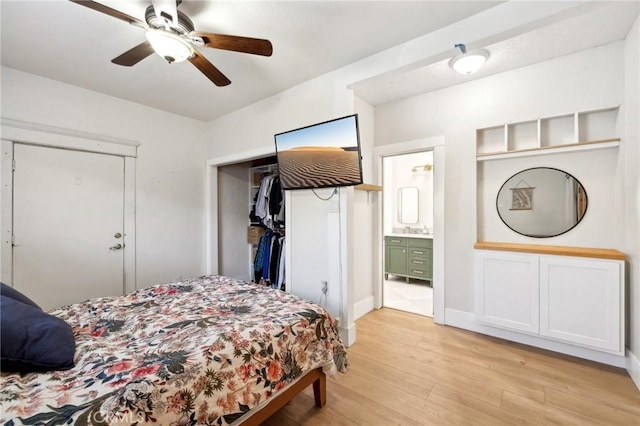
<point>63,41</point>
<point>589,27</point>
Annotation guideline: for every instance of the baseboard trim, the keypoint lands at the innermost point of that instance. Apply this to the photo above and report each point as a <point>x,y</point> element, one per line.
<point>466,320</point>
<point>363,307</point>
<point>633,367</point>
<point>348,334</point>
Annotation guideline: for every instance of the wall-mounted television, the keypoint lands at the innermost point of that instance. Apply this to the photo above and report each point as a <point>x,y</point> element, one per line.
<point>322,155</point>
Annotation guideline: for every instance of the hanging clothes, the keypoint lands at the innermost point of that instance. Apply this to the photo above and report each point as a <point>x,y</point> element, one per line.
<point>276,203</point>
<point>280,281</point>
<point>268,263</point>
<point>273,261</point>
<point>268,210</point>
<point>259,258</point>
<point>268,207</point>
<point>262,206</point>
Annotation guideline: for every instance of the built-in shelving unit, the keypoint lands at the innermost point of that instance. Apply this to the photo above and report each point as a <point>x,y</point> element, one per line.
<point>582,130</point>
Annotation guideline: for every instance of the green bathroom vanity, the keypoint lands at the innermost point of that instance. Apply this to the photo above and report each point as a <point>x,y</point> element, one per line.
<point>409,257</point>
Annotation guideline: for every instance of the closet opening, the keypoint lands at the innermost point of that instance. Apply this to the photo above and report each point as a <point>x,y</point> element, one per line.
<point>251,222</point>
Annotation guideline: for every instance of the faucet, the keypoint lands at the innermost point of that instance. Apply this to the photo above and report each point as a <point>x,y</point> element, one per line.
<point>407,229</point>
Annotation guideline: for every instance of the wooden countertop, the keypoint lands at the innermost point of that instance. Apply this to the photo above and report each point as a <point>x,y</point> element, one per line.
<point>599,253</point>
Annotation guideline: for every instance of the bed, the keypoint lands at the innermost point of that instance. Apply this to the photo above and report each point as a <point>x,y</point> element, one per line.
<point>206,351</point>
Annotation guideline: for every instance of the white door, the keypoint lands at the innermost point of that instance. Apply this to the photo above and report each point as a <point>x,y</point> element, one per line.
<point>68,212</point>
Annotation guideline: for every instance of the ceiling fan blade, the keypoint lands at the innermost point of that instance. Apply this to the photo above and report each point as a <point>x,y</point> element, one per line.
<point>167,9</point>
<point>208,69</point>
<point>135,55</point>
<point>108,11</point>
<point>255,46</point>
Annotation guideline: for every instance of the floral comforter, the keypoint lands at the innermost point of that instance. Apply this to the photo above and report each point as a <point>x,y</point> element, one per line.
<point>196,352</point>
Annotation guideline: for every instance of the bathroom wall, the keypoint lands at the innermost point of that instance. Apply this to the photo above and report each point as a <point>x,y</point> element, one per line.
<point>397,173</point>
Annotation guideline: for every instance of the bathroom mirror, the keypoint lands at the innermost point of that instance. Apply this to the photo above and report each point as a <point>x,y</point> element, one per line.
<point>541,202</point>
<point>408,205</point>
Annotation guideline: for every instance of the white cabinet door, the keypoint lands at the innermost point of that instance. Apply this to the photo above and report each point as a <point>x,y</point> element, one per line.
<point>507,290</point>
<point>580,301</point>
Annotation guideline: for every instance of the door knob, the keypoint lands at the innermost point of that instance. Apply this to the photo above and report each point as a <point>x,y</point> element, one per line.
<point>116,247</point>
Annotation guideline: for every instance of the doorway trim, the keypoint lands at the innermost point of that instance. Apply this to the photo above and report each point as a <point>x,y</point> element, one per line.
<point>211,202</point>
<point>15,131</point>
<point>437,145</point>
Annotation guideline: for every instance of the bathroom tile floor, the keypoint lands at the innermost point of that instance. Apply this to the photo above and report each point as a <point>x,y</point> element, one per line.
<point>415,297</point>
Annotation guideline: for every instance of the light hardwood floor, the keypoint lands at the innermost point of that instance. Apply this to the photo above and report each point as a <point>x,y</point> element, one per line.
<point>406,370</point>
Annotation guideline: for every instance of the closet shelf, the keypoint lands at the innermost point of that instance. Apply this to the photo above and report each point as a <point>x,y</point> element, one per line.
<point>570,147</point>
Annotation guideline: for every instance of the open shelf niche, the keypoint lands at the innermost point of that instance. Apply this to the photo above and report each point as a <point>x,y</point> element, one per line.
<point>583,130</point>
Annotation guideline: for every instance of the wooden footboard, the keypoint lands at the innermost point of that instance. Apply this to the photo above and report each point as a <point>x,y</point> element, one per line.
<point>319,380</point>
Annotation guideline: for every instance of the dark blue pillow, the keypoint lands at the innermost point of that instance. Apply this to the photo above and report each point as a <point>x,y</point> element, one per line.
<point>32,340</point>
<point>11,292</point>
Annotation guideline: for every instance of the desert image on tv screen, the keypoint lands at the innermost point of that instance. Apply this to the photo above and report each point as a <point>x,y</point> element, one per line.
<point>318,156</point>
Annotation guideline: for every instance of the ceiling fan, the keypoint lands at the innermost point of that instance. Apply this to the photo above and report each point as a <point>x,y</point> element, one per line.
<point>171,34</point>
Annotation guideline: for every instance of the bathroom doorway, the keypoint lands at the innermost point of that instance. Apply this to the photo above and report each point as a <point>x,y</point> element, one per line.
<point>408,222</point>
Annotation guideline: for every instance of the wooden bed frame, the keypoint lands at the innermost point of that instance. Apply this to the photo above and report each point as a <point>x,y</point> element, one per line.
<point>319,380</point>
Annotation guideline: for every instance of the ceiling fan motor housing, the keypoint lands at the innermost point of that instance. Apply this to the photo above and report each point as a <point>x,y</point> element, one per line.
<point>184,27</point>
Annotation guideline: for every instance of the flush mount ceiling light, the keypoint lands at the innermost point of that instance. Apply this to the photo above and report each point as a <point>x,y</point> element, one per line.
<point>468,62</point>
<point>169,46</point>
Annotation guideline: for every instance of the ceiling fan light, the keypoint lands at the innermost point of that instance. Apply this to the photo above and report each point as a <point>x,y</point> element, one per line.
<point>169,46</point>
<point>470,62</point>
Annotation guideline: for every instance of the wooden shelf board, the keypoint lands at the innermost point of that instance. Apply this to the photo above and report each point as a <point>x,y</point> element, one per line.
<point>604,143</point>
<point>599,253</point>
<point>368,187</point>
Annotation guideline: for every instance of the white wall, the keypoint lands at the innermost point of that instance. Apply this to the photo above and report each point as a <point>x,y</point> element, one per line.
<point>364,253</point>
<point>631,149</point>
<point>362,217</point>
<point>588,79</point>
<point>169,166</point>
<point>253,127</point>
